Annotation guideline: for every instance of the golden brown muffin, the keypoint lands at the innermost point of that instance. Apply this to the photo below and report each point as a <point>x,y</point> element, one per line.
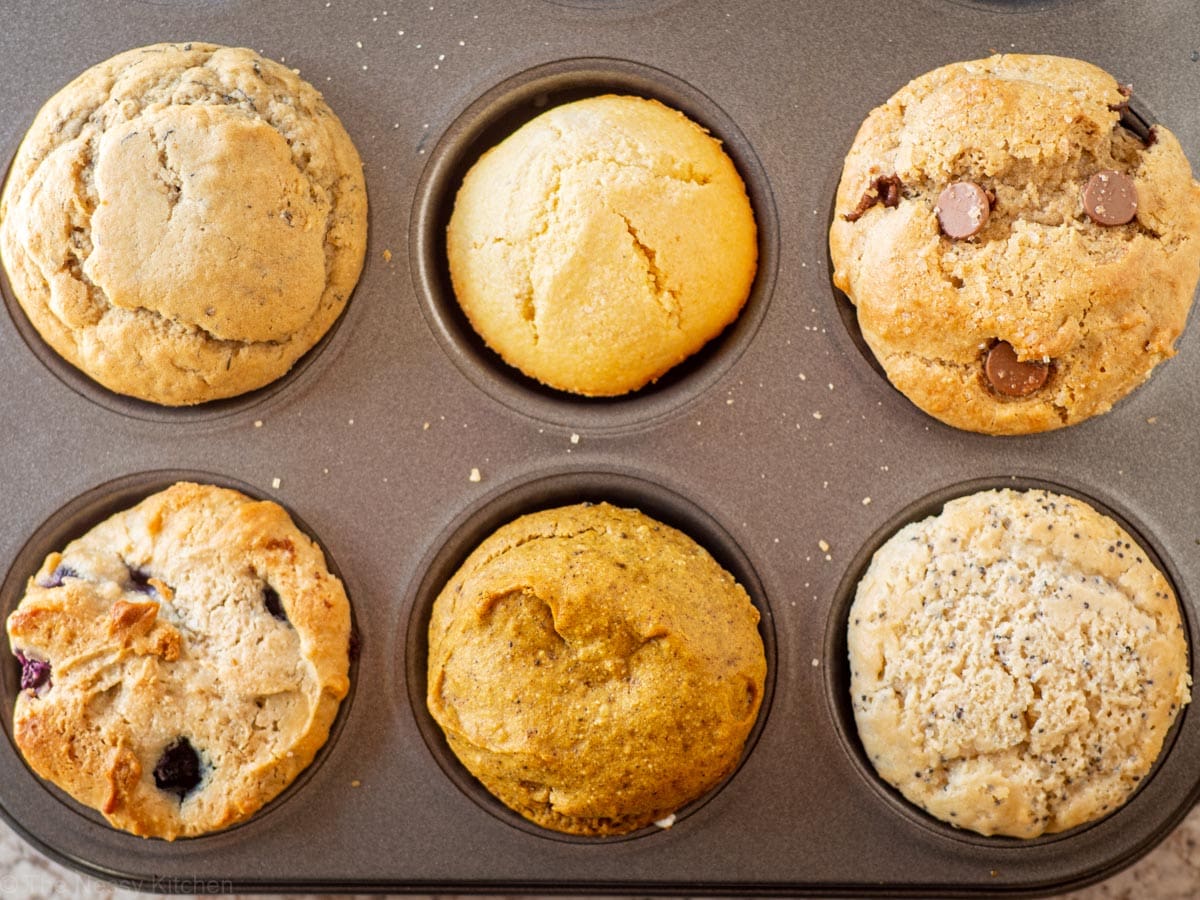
<point>182,662</point>
<point>1019,260</point>
<point>1015,663</point>
<point>595,669</point>
<point>601,244</point>
<point>183,222</point>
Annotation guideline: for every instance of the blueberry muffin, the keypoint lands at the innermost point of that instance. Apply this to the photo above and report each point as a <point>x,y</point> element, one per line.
<point>601,244</point>
<point>1021,247</point>
<point>1015,663</point>
<point>182,662</point>
<point>594,669</point>
<point>183,221</point>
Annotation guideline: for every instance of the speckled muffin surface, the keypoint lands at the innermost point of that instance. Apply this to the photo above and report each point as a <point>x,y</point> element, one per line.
<point>183,221</point>
<point>595,669</point>
<point>1015,663</point>
<point>601,244</point>
<point>182,662</point>
<point>1019,259</point>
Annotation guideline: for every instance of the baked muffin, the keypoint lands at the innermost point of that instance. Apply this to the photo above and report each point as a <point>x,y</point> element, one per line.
<point>1015,663</point>
<point>1021,248</point>
<point>182,662</point>
<point>595,669</point>
<point>601,244</point>
<point>183,221</point>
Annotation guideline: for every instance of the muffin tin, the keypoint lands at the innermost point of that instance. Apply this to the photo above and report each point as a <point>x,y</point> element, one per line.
<point>400,440</point>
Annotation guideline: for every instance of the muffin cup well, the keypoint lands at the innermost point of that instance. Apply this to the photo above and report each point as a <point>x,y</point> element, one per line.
<point>73,520</point>
<point>511,501</point>
<point>837,684</point>
<point>487,121</point>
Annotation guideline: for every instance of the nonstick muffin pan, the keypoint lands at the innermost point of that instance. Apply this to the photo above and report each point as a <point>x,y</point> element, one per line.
<point>400,440</point>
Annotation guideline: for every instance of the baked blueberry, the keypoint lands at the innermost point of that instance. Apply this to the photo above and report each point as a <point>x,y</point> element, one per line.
<point>178,769</point>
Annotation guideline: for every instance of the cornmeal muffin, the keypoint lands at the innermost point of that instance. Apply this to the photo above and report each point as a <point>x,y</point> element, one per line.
<point>1015,663</point>
<point>182,662</point>
<point>183,221</point>
<point>601,244</point>
<point>1022,248</point>
<point>594,669</point>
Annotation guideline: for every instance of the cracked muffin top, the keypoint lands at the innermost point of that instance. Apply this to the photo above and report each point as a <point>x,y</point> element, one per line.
<point>182,662</point>
<point>595,669</point>
<point>183,221</point>
<point>1021,247</point>
<point>1015,663</point>
<point>601,244</point>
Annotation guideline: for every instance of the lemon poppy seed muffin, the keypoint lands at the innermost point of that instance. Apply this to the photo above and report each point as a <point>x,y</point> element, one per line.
<point>595,669</point>
<point>1015,663</point>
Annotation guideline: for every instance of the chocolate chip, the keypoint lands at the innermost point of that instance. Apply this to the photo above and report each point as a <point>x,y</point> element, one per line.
<point>885,189</point>
<point>34,672</point>
<point>56,577</point>
<point>178,769</point>
<point>1134,117</point>
<point>1110,198</point>
<point>273,604</point>
<point>962,209</point>
<point>1010,376</point>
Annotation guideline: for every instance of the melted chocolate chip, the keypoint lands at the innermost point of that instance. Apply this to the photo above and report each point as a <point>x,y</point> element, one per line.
<point>34,672</point>
<point>178,769</point>
<point>56,577</point>
<point>885,189</point>
<point>963,209</point>
<point>1010,376</point>
<point>1110,198</point>
<point>1134,117</point>
<point>273,604</point>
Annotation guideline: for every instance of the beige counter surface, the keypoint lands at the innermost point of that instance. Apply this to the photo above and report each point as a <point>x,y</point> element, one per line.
<point>1170,872</point>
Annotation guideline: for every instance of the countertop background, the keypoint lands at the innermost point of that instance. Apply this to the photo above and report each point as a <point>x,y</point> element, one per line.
<point>1171,871</point>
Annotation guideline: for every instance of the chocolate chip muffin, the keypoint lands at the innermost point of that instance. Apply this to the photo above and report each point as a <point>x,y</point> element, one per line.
<point>1021,247</point>
<point>183,221</point>
<point>595,669</point>
<point>1015,663</point>
<point>601,244</point>
<point>182,662</point>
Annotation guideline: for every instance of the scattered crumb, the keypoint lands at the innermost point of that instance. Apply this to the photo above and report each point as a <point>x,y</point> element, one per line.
<point>667,822</point>
<point>866,501</point>
<point>356,783</point>
<point>425,427</point>
<point>258,423</point>
<point>824,545</point>
<point>1152,420</point>
<point>828,558</point>
<point>387,254</point>
<point>574,438</point>
<point>816,663</point>
<point>474,476</point>
<point>351,422</point>
<point>275,482</point>
<point>817,415</point>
